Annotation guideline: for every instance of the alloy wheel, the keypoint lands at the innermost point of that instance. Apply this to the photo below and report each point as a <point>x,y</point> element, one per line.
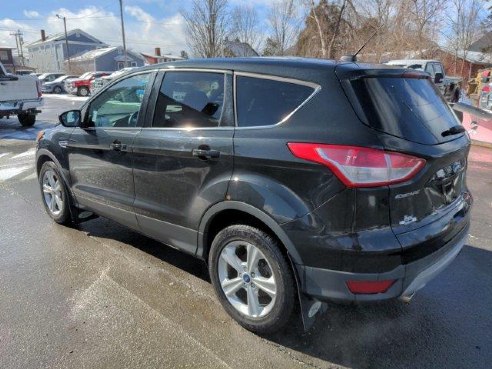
<point>247,279</point>
<point>52,192</point>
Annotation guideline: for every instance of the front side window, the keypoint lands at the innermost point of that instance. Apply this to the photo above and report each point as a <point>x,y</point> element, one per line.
<point>264,102</point>
<point>119,105</point>
<point>190,100</point>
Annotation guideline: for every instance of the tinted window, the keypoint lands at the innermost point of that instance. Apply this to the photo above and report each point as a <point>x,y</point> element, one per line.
<point>189,100</point>
<point>438,68</point>
<point>119,105</point>
<point>263,102</point>
<point>410,108</point>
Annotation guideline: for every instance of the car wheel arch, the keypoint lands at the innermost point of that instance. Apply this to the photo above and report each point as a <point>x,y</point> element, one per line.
<point>231,210</point>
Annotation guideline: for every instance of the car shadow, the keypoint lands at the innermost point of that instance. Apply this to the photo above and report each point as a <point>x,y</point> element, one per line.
<point>105,228</point>
<point>447,324</point>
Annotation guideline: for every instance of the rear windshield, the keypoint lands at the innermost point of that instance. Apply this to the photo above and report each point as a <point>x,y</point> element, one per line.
<point>410,108</point>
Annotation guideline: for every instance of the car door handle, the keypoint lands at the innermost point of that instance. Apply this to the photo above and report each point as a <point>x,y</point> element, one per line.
<point>117,146</point>
<point>205,154</point>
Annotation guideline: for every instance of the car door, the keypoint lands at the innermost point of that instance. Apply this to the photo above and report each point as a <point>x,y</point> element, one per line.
<point>183,155</point>
<point>100,152</point>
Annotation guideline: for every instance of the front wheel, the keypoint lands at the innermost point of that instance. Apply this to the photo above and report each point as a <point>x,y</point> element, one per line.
<point>57,90</point>
<point>26,119</point>
<point>83,91</point>
<point>54,193</point>
<point>252,278</point>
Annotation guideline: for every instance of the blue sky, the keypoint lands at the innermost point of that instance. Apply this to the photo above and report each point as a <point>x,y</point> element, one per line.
<point>148,23</point>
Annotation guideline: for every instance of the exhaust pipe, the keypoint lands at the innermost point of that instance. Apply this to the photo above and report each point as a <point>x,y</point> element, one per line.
<point>407,298</point>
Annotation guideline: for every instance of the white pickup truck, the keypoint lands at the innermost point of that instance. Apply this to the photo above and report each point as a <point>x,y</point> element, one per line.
<point>21,96</point>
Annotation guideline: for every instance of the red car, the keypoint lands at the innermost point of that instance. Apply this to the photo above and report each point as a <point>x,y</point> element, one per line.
<point>82,85</point>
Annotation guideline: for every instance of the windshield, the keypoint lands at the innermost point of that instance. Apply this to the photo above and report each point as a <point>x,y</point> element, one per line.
<point>60,79</point>
<point>84,76</point>
<point>43,76</point>
<point>410,108</point>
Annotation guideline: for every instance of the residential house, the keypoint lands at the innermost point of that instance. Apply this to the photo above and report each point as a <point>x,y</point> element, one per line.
<point>237,48</point>
<point>105,59</point>
<point>158,58</point>
<point>48,54</point>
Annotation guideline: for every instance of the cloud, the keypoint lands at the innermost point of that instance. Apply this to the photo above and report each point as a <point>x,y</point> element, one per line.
<point>143,31</point>
<point>31,14</point>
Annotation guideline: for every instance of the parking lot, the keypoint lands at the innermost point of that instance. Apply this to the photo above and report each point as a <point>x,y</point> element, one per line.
<point>102,296</point>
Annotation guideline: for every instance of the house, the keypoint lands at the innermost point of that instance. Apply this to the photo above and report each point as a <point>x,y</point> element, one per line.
<point>158,58</point>
<point>7,59</point>
<point>237,48</point>
<point>48,54</point>
<point>105,59</point>
<point>13,63</point>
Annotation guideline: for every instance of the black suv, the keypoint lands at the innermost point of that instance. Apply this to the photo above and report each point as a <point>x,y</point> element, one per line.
<point>295,179</point>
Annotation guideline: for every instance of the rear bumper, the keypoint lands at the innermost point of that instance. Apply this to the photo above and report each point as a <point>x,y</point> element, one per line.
<point>21,106</point>
<point>325,284</point>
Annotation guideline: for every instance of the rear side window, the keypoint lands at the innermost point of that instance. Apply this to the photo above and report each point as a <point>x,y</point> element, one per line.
<point>264,102</point>
<point>409,108</point>
<point>190,100</point>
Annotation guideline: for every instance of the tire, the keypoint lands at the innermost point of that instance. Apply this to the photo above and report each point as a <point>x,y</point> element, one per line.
<point>83,91</point>
<point>26,119</point>
<point>57,90</point>
<point>54,194</point>
<point>266,314</point>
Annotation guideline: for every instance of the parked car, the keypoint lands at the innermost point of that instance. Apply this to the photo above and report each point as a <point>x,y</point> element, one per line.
<point>49,77</point>
<point>293,179</point>
<point>21,96</point>
<point>57,86</point>
<point>82,85</point>
<point>99,83</point>
<point>450,87</point>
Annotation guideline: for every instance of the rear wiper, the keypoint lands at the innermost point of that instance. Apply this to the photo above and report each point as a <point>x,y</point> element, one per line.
<point>453,131</point>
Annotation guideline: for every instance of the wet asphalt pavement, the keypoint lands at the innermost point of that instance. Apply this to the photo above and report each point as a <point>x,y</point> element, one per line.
<point>102,296</point>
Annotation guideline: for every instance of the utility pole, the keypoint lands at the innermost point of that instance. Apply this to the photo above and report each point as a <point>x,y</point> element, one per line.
<point>19,42</point>
<point>66,41</point>
<point>123,33</point>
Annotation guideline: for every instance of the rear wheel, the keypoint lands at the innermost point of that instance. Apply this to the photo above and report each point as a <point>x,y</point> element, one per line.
<point>252,278</point>
<point>54,193</point>
<point>26,119</point>
<point>83,91</point>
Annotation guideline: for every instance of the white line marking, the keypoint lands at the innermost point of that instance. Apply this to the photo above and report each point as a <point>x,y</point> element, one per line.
<point>11,172</point>
<point>30,152</point>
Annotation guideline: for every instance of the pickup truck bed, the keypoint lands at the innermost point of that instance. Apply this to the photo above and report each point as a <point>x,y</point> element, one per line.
<point>21,96</point>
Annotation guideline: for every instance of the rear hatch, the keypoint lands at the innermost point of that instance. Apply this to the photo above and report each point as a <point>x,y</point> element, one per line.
<point>413,118</point>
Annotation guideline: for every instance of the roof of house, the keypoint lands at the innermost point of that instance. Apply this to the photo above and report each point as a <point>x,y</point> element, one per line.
<point>164,56</point>
<point>61,37</point>
<point>238,48</point>
<point>96,53</point>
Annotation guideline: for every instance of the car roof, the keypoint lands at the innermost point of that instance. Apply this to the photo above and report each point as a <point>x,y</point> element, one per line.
<point>293,67</point>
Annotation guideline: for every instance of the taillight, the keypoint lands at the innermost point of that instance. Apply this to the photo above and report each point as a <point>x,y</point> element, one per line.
<point>369,287</point>
<point>360,166</point>
<point>486,89</point>
<point>38,86</point>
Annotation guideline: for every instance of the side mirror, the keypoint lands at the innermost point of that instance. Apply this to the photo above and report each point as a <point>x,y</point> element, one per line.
<point>438,77</point>
<point>70,118</point>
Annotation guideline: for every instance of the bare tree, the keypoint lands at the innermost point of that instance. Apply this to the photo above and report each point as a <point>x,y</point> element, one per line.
<point>207,27</point>
<point>246,26</point>
<point>284,22</point>
<point>427,16</point>
<point>464,27</point>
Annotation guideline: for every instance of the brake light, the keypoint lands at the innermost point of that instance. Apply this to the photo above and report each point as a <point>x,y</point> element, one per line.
<point>358,166</point>
<point>369,287</point>
<point>38,86</point>
<point>486,89</point>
